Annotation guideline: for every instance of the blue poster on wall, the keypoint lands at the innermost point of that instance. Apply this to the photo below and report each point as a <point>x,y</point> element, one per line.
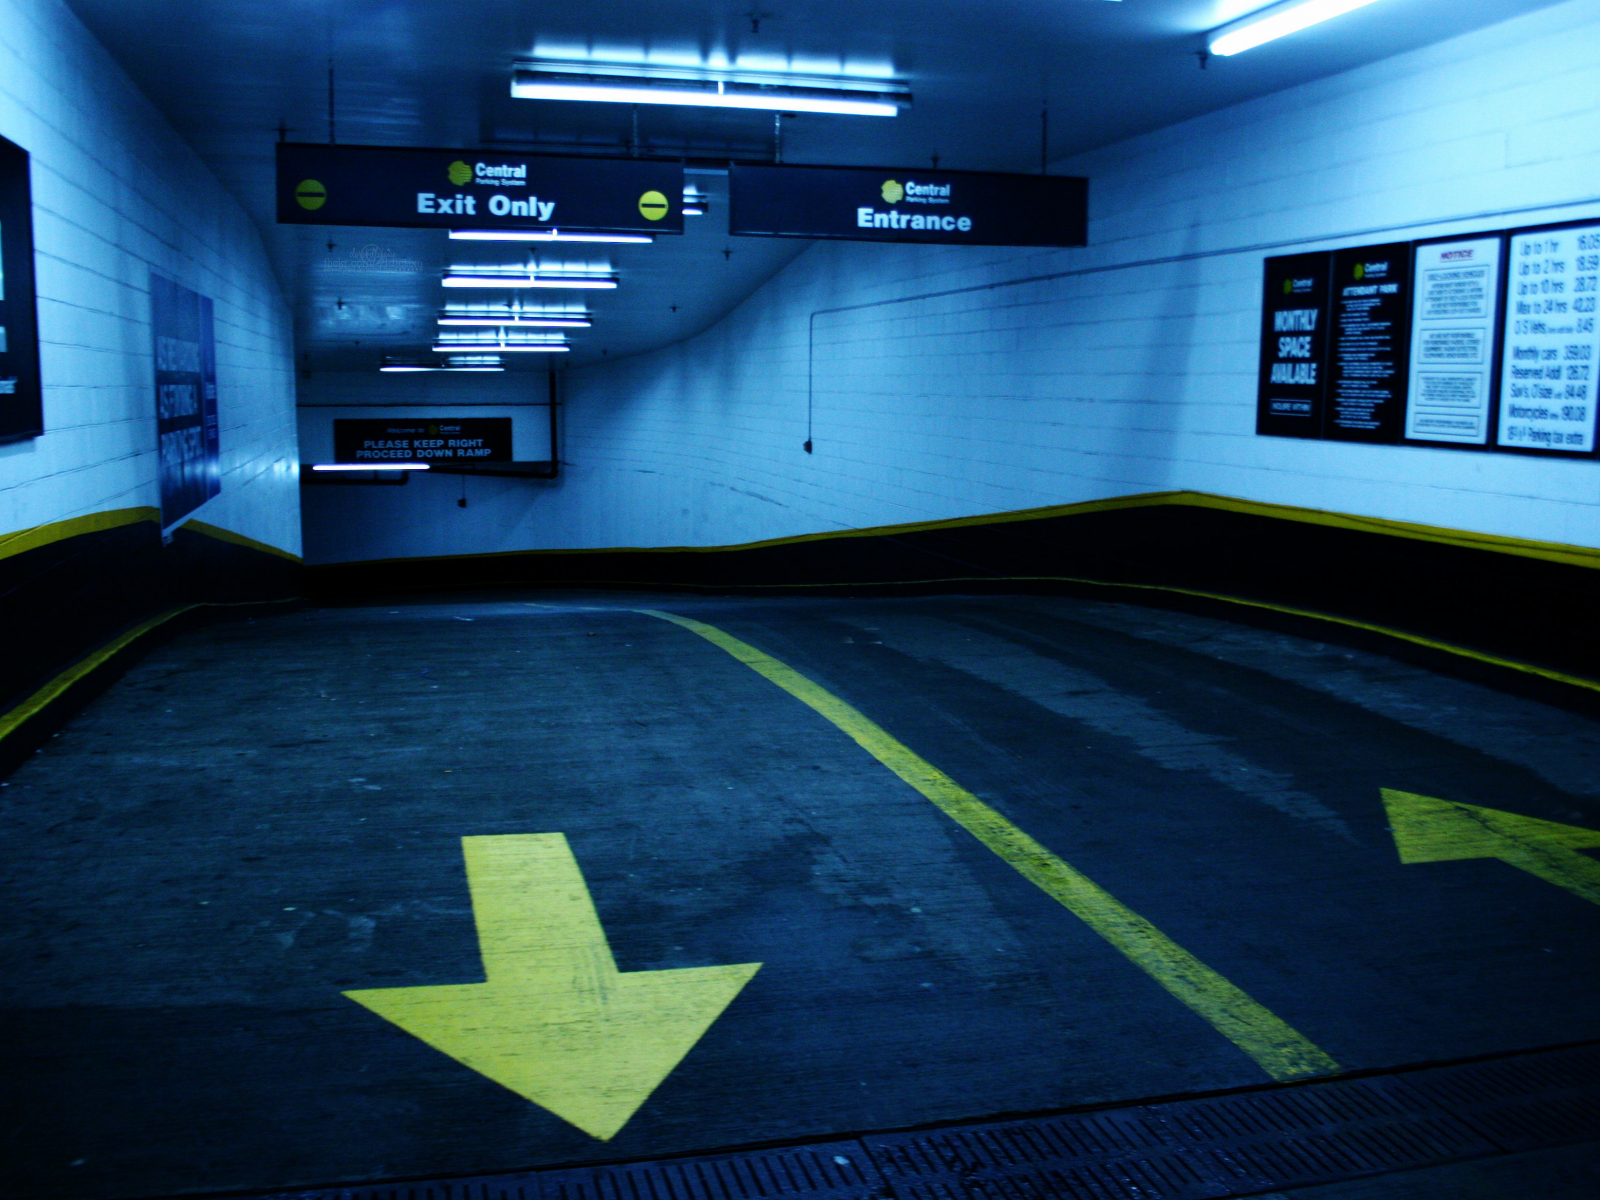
<point>186,398</point>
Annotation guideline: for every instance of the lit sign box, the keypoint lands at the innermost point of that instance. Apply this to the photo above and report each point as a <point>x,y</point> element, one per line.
<point>21,414</point>
<point>871,204</point>
<point>475,189</point>
<point>462,439</point>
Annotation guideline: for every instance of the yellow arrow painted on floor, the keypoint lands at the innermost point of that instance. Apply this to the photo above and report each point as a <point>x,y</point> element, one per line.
<point>556,1022</point>
<point>1431,830</point>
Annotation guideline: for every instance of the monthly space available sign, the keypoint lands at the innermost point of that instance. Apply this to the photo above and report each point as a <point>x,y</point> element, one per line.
<point>1294,340</point>
<point>186,397</point>
<point>475,189</point>
<point>871,204</point>
<point>459,440</point>
<point>1457,286</point>
<point>1547,382</point>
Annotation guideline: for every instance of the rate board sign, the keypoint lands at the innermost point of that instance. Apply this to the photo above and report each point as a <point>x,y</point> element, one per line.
<point>881,204</point>
<point>426,439</point>
<point>475,189</point>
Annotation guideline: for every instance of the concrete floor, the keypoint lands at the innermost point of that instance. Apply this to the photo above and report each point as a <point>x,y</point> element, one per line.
<point>264,815</point>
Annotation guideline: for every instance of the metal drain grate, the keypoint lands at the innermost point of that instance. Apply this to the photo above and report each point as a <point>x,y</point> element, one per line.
<point>1204,1149</point>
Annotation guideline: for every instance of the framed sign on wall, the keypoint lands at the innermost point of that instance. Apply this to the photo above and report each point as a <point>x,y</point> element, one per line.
<point>21,410</point>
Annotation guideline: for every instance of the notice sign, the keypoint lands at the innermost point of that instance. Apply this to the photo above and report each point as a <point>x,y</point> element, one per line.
<point>475,189</point>
<point>186,398</point>
<point>21,414</point>
<point>1367,345</point>
<point>1457,286</point>
<point>1294,341</point>
<point>1547,385</point>
<point>464,439</point>
<point>872,204</point>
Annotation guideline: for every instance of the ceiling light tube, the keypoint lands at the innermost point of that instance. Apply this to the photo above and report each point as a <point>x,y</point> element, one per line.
<point>1276,21</point>
<point>392,466</point>
<point>518,322</point>
<point>617,84</point>
<point>527,281</point>
<point>498,347</point>
<point>547,235</point>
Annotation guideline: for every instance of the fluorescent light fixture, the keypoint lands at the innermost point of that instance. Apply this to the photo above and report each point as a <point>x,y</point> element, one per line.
<point>398,466</point>
<point>1276,21</point>
<point>694,210</point>
<point>619,83</point>
<point>498,348</point>
<point>529,281</point>
<point>547,235</point>
<point>515,321</point>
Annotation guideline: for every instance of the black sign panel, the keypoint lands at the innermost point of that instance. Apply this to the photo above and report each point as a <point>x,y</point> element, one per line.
<point>1294,343</point>
<point>462,439</point>
<point>475,189</point>
<point>1367,363</point>
<point>871,204</point>
<point>184,345</point>
<point>21,414</point>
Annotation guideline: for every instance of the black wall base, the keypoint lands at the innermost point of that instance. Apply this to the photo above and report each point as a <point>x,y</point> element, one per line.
<point>66,603</point>
<point>1501,599</point>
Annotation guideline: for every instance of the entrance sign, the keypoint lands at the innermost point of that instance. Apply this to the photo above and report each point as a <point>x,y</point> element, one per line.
<point>1457,285</point>
<point>21,413</point>
<point>872,204</point>
<point>1366,352</point>
<point>185,350</point>
<point>1294,342</point>
<point>1549,353</point>
<point>463,439</point>
<point>475,189</point>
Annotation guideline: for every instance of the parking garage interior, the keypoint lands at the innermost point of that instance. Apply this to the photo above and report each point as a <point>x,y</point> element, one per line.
<point>895,601</point>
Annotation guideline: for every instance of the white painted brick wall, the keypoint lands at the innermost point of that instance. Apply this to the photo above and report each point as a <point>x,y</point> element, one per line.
<point>1137,376</point>
<point>118,194</point>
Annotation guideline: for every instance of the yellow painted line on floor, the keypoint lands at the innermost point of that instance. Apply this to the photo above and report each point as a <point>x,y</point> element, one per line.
<point>555,1021</point>
<point>1280,1050</point>
<point>1427,829</point>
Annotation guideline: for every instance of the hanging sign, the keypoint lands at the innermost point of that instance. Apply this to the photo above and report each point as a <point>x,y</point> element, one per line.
<point>1294,343</point>
<point>1456,284</point>
<point>462,439</point>
<point>185,349</point>
<point>1367,345</point>
<point>873,204</point>
<point>1550,349</point>
<point>21,414</point>
<point>475,189</point>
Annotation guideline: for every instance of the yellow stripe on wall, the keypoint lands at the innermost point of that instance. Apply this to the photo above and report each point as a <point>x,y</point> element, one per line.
<point>24,540</point>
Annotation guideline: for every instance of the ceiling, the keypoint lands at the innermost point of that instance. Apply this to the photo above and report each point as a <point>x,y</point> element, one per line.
<point>437,73</point>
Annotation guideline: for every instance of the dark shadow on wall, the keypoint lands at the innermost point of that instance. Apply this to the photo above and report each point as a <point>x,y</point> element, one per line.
<point>80,601</point>
<point>1458,601</point>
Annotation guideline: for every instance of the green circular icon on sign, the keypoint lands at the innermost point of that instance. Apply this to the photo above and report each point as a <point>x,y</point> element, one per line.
<point>893,191</point>
<point>653,206</point>
<point>310,194</point>
<point>459,173</point>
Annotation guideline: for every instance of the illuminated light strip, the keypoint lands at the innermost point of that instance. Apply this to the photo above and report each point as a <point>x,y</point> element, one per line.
<point>498,347</point>
<point>399,466</point>
<point>1275,22</point>
<point>543,235</point>
<point>398,368</point>
<point>519,322</point>
<point>525,281</point>
<point>643,85</point>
